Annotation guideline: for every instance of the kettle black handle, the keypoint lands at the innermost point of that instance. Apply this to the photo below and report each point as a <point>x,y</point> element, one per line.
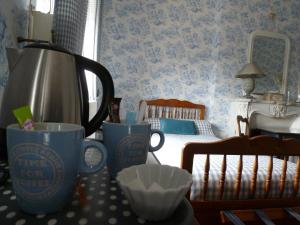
<point>108,93</point>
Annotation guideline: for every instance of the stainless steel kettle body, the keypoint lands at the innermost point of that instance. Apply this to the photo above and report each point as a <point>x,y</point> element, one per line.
<point>52,82</point>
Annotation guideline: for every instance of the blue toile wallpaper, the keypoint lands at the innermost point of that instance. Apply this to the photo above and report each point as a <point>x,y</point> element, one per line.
<point>13,23</point>
<point>190,49</point>
<point>187,49</point>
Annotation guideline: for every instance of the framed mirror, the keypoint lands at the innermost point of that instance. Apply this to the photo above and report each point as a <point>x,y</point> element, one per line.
<point>270,52</point>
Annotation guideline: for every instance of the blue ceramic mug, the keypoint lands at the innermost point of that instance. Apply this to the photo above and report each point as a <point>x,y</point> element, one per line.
<point>44,164</point>
<point>128,144</point>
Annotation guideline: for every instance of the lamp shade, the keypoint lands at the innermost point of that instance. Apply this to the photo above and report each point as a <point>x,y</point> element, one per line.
<point>250,71</point>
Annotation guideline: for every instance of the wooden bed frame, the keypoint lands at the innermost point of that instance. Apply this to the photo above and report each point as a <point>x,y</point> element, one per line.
<point>212,212</point>
<point>208,211</point>
<point>161,108</point>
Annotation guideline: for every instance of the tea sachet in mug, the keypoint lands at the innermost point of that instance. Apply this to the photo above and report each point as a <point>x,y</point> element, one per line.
<point>24,117</point>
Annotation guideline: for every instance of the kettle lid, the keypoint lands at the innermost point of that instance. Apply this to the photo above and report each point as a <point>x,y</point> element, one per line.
<point>49,47</point>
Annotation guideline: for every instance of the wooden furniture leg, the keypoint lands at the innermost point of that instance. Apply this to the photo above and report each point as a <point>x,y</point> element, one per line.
<point>209,217</point>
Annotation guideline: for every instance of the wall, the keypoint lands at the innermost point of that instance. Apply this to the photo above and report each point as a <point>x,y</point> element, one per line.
<point>176,49</point>
<point>190,49</point>
<point>13,23</point>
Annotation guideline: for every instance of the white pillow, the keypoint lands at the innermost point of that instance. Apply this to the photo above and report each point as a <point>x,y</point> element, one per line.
<point>155,123</point>
<point>204,127</point>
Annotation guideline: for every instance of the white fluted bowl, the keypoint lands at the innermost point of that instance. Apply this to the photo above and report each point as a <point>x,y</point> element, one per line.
<point>154,191</point>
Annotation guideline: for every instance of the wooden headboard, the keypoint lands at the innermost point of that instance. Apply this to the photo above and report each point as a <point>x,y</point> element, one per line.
<point>172,108</point>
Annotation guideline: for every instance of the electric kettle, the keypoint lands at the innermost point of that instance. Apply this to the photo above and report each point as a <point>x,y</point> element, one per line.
<point>52,82</point>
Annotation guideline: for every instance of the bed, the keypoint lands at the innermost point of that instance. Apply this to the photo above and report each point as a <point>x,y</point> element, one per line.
<point>171,152</point>
<point>223,179</point>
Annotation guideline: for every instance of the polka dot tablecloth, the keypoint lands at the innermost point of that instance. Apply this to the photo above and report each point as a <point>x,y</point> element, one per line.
<point>106,204</point>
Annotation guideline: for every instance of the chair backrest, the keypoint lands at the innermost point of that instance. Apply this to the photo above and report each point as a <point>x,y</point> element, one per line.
<point>240,119</point>
<point>257,146</point>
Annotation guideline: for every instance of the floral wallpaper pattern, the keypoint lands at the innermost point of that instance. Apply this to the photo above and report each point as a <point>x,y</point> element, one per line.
<point>176,49</point>
<point>190,49</point>
<point>13,23</point>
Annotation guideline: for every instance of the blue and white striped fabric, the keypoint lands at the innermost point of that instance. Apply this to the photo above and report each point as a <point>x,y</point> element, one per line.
<point>231,174</point>
<point>171,151</point>
<point>155,123</point>
<point>171,112</point>
<point>203,127</point>
<point>69,24</point>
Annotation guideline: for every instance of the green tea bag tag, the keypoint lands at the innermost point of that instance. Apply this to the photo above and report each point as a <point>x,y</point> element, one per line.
<point>24,117</point>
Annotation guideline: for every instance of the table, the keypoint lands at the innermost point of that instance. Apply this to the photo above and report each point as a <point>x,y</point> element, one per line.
<point>106,205</point>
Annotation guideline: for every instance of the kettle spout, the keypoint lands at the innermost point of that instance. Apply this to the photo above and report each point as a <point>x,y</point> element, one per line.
<point>13,55</point>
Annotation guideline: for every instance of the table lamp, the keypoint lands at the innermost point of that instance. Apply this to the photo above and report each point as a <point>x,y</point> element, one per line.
<point>248,73</point>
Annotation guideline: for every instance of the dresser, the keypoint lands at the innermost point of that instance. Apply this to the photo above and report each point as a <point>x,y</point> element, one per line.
<point>265,115</point>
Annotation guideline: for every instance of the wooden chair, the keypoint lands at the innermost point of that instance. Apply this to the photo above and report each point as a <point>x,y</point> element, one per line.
<point>240,120</point>
<point>208,211</point>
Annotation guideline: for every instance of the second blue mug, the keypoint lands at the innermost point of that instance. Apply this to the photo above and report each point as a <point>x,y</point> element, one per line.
<point>128,144</point>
